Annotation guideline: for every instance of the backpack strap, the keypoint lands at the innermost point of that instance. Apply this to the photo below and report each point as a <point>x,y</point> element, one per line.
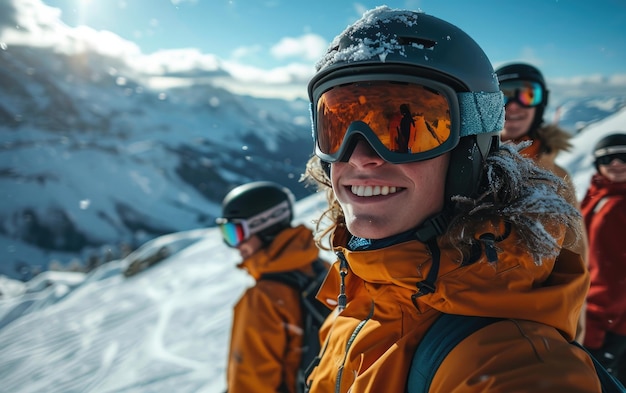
<point>444,334</point>
<point>449,330</point>
<point>609,383</point>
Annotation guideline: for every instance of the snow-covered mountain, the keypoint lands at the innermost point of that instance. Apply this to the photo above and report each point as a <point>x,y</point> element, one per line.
<point>576,114</point>
<point>164,328</point>
<point>92,162</point>
<point>101,153</point>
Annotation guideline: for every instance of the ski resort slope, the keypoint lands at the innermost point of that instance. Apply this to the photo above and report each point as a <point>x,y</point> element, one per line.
<point>163,329</point>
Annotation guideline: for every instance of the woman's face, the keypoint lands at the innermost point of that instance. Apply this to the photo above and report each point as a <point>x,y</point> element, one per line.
<point>615,171</point>
<point>517,121</point>
<point>248,247</point>
<point>380,199</point>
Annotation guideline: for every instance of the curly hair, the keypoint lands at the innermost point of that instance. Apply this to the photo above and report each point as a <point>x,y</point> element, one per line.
<point>513,190</point>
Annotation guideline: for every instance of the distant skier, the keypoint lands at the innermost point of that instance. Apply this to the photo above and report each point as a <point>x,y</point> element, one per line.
<point>604,210</point>
<point>267,332</point>
<point>407,124</point>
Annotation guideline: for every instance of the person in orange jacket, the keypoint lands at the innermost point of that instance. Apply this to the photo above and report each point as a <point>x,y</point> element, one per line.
<point>266,335</point>
<point>604,210</point>
<point>463,227</point>
<point>525,100</point>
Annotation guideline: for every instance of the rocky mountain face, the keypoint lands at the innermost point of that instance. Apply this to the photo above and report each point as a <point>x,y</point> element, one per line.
<point>92,160</point>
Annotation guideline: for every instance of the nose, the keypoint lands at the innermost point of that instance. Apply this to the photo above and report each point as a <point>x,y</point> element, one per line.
<point>364,155</point>
<point>512,104</point>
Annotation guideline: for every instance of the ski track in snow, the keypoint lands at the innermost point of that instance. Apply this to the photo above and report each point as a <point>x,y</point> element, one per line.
<point>165,329</point>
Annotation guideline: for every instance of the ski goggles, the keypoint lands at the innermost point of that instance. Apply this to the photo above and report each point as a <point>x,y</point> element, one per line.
<point>606,155</point>
<point>237,230</point>
<point>403,118</point>
<point>526,93</point>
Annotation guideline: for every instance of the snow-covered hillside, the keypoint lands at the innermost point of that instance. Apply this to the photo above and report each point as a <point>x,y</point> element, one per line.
<point>164,329</point>
<point>579,161</point>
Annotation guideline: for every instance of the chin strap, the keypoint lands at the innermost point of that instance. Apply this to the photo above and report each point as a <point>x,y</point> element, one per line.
<point>432,227</point>
<point>427,233</point>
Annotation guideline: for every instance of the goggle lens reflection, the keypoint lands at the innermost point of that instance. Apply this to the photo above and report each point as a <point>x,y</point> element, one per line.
<point>606,160</point>
<point>233,232</point>
<point>406,118</point>
<point>526,93</point>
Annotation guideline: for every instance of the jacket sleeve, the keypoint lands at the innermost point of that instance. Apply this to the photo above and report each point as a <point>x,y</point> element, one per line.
<point>516,356</point>
<point>266,339</point>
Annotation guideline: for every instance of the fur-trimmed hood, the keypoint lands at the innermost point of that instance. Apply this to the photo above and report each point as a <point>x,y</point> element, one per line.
<point>547,142</point>
<point>554,139</point>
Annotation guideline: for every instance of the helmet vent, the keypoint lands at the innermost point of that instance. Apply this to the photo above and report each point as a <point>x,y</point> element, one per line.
<point>421,42</point>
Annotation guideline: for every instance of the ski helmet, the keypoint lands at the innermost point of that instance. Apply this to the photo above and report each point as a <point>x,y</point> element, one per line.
<point>391,43</point>
<point>266,207</point>
<point>526,72</point>
<point>612,144</point>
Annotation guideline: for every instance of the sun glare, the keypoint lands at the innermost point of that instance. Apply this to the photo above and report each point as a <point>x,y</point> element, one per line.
<point>82,10</point>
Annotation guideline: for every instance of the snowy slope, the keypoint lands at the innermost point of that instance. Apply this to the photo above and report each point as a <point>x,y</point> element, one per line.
<point>579,161</point>
<point>162,330</point>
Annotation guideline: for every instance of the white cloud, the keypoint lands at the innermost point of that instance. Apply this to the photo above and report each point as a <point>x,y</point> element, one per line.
<point>309,47</point>
<point>40,26</point>
<point>184,60</point>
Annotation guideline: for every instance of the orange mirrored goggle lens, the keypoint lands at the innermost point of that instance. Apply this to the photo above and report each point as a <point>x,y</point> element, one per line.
<point>406,118</point>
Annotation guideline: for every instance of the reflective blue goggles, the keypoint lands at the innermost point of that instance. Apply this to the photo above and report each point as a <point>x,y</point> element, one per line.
<point>237,230</point>
<point>526,93</point>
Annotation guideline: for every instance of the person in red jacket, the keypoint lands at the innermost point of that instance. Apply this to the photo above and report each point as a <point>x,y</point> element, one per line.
<point>456,223</point>
<point>604,212</point>
<point>266,336</point>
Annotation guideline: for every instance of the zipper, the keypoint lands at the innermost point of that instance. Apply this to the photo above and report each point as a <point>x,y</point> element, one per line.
<point>349,344</point>
<point>341,305</point>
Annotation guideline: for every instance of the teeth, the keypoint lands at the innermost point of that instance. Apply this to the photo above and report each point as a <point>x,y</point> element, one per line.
<point>366,191</point>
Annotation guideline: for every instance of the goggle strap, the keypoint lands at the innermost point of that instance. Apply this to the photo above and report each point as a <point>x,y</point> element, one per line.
<point>481,112</point>
<point>607,151</point>
<point>268,217</point>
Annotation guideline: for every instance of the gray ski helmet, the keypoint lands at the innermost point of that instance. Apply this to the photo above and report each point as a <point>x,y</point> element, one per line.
<point>390,41</point>
<point>267,205</point>
<point>611,144</point>
<point>526,72</point>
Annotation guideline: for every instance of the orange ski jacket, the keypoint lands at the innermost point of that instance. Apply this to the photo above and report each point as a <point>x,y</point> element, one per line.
<point>266,336</point>
<point>369,345</point>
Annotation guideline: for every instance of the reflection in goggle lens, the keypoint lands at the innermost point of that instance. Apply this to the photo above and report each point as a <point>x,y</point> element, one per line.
<point>405,118</point>
<point>606,160</point>
<point>525,93</point>
<point>233,232</point>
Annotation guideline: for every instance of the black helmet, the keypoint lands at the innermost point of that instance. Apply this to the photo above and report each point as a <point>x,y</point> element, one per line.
<point>526,72</point>
<point>267,206</point>
<point>609,145</point>
<point>401,42</point>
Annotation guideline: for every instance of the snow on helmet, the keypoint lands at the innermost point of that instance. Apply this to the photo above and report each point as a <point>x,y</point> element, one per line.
<point>267,206</point>
<point>526,72</point>
<point>413,44</point>
<point>610,145</point>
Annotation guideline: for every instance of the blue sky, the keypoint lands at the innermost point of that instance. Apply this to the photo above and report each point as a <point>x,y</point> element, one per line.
<point>566,38</point>
<point>269,47</point>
